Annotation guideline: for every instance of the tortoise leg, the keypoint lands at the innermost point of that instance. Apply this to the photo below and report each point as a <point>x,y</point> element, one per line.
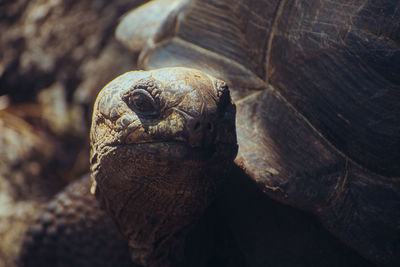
<point>72,230</point>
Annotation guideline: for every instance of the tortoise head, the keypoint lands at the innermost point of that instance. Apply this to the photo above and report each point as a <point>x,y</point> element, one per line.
<point>160,142</point>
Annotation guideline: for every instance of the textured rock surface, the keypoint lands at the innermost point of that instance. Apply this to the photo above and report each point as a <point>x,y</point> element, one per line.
<point>70,42</point>
<point>54,57</point>
<point>24,156</point>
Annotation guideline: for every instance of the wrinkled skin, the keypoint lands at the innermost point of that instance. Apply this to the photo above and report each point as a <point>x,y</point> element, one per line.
<point>161,141</point>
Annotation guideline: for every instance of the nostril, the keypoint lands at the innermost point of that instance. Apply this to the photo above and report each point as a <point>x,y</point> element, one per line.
<point>196,126</point>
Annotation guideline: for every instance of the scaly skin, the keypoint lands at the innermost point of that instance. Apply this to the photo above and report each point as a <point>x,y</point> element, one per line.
<point>72,230</point>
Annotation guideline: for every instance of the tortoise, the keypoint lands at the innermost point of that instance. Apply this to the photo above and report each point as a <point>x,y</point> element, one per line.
<point>317,106</point>
<point>316,86</point>
<point>163,144</point>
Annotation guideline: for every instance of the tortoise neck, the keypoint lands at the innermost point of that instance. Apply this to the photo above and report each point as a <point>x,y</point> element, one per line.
<point>154,220</point>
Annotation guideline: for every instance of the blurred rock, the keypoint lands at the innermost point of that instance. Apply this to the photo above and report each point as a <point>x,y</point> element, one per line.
<point>24,152</point>
<point>54,57</point>
<point>48,41</point>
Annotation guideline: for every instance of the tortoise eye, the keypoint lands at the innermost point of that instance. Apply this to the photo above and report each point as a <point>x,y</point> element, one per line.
<point>145,98</point>
<point>143,102</point>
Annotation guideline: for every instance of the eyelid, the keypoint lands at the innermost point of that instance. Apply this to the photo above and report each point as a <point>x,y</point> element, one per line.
<point>148,95</point>
<point>151,100</point>
<point>147,91</point>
